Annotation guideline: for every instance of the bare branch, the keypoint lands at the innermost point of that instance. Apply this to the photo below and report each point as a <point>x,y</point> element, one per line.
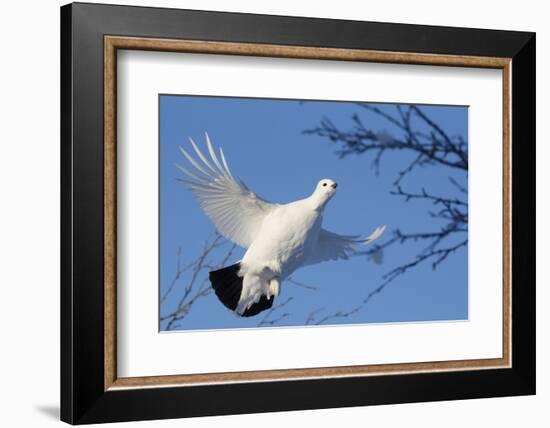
<point>179,272</point>
<point>311,316</point>
<point>301,284</point>
<point>431,145</point>
<point>267,320</point>
<point>435,147</point>
<point>195,288</point>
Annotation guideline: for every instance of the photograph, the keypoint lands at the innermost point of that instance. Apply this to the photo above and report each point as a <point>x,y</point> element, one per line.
<point>293,212</point>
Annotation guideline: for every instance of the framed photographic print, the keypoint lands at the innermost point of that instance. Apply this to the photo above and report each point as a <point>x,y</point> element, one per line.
<point>265,213</point>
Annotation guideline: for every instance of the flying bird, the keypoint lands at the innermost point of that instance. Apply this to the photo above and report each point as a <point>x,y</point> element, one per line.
<point>278,238</point>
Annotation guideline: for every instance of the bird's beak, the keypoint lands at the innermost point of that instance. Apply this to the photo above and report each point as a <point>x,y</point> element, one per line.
<point>334,185</point>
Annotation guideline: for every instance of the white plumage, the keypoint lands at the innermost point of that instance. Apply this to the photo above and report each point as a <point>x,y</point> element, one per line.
<point>279,238</point>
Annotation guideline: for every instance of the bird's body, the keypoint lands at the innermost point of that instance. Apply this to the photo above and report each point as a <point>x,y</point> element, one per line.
<point>288,235</point>
<point>280,238</point>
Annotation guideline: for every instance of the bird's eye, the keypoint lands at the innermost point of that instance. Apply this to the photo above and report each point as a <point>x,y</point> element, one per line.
<point>324,184</point>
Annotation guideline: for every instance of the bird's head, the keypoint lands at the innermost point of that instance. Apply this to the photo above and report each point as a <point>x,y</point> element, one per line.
<point>325,189</point>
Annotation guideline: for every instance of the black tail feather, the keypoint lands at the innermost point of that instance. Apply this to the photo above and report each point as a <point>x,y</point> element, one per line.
<point>228,286</point>
<point>261,305</point>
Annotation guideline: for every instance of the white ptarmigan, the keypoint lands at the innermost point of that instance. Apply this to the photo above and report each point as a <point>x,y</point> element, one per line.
<point>279,238</point>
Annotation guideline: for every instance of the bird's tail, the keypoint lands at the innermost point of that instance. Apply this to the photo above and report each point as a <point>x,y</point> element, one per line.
<point>228,286</point>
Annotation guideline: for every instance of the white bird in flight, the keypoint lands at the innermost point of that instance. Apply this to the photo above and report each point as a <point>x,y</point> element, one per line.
<point>279,238</point>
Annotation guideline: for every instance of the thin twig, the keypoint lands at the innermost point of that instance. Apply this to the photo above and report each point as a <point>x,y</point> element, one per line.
<point>265,321</point>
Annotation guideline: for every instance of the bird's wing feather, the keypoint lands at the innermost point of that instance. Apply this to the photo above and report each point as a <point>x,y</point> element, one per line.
<point>331,246</point>
<point>235,210</point>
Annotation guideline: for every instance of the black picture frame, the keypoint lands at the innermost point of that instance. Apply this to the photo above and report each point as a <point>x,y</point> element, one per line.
<point>83,397</point>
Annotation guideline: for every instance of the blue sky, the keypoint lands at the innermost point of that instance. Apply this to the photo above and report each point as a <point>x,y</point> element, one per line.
<point>264,144</point>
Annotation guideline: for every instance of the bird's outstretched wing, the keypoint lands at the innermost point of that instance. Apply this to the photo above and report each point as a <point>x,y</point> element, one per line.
<point>332,246</point>
<point>236,211</point>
